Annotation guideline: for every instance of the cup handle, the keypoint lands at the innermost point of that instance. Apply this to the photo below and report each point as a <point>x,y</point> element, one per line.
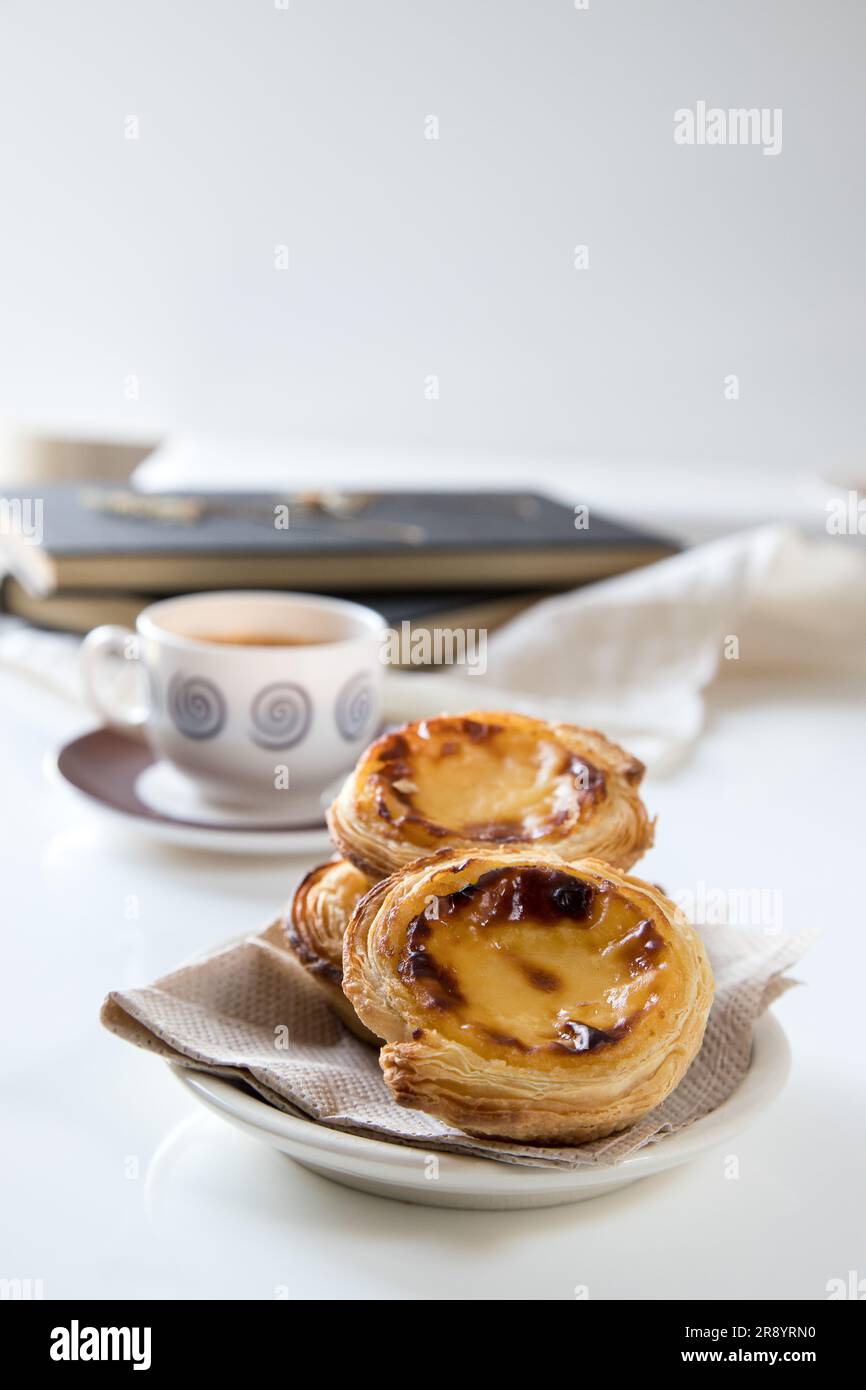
<point>102,645</point>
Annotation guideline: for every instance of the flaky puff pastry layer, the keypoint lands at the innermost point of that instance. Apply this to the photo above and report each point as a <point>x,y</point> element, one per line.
<point>483,780</point>
<point>315,925</point>
<point>527,998</point>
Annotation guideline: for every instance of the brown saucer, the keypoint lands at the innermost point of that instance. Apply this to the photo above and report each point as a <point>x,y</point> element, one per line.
<point>106,765</point>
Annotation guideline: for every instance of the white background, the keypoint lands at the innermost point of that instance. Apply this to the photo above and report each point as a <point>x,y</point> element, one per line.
<point>155,258</point>
<point>305,127</point>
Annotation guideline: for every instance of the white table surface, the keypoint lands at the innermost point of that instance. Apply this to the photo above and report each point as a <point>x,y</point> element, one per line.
<point>116,1184</point>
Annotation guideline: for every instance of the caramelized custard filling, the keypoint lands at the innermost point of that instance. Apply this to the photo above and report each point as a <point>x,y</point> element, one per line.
<point>533,962</point>
<point>481,781</point>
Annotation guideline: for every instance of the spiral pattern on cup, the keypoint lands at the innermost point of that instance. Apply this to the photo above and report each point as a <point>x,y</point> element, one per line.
<point>197,706</point>
<point>281,715</point>
<point>356,703</point>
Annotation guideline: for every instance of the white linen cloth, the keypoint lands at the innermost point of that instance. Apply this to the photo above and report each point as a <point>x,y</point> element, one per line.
<point>632,655</point>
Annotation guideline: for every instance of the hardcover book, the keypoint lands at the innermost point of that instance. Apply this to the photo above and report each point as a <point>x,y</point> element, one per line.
<point>90,537</point>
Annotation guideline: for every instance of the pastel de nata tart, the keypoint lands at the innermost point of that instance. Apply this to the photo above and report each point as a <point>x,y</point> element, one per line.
<point>315,924</point>
<point>483,780</point>
<point>526,998</point>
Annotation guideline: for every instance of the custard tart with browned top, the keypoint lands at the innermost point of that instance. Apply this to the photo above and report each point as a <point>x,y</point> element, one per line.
<point>527,998</point>
<point>484,780</point>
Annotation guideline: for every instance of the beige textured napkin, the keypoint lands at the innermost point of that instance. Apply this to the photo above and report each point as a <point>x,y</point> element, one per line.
<point>251,1013</point>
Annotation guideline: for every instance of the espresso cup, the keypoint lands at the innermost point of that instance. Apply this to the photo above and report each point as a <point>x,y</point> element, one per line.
<point>252,695</point>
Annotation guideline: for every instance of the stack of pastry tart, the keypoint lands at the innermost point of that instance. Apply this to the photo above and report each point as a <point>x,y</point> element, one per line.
<point>482,927</point>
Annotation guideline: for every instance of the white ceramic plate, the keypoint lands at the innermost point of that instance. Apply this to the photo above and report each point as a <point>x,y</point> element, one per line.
<point>405,1174</point>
